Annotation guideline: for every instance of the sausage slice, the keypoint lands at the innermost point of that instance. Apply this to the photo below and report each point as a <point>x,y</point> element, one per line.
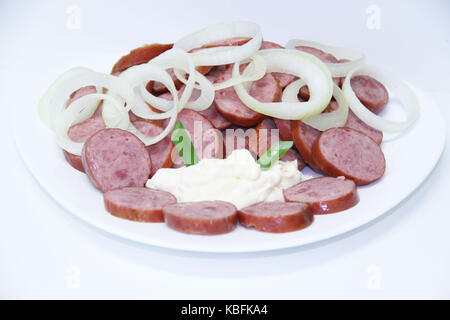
<point>372,93</point>
<point>349,153</point>
<point>161,152</point>
<point>80,132</point>
<point>237,41</point>
<point>277,216</point>
<point>324,57</point>
<point>207,141</point>
<point>81,93</point>
<point>231,107</point>
<point>137,203</point>
<point>203,217</point>
<point>211,113</point>
<point>266,133</point>
<point>293,155</point>
<point>353,122</point>
<point>114,158</point>
<point>140,55</point>
<point>324,194</point>
<point>284,79</point>
<point>285,128</point>
<point>304,138</point>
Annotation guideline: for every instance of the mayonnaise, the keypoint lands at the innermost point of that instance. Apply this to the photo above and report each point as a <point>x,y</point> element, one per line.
<point>237,179</point>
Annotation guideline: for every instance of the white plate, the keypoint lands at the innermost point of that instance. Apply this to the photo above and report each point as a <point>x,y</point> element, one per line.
<point>409,158</point>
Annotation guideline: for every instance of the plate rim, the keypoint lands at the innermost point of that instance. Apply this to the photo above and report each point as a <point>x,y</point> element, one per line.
<point>356,225</point>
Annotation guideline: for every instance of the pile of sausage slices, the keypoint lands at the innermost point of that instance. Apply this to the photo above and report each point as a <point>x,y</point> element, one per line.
<point>119,163</point>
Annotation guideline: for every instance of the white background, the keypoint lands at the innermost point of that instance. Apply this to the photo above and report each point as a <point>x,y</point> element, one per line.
<point>47,253</point>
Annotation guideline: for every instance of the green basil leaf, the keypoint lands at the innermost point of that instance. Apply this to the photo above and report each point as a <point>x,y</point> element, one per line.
<point>182,142</point>
<point>275,152</point>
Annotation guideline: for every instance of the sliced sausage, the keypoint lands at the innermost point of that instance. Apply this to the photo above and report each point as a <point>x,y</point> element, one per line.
<point>159,122</point>
<point>74,160</point>
<point>138,203</point>
<point>216,72</point>
<point>203,217</point>
<point>355,123</point>
<point>333,105</point>
<point>206,139</point>
<point>324,194</point>
<point>216,118</point>
<point>349,153</point>
<point>284,79</point>
<point>231,107</point>
<point>114,158</point>
<point>266,133</point>
<point>285,128</point>
<point>304,137</point>
<point>140,55</point>
<point>370,92</point>
<point>270,45</point>
<point>324,57</point>
<point>303,93</point>
<point>143,55</point>
<point>81,93</point>
<point>341,79</point>
<point>158,88</point>
<point>161,152</point>
<point>211,113</point>
<point>277,216</point>
<point>80,132</point>
<point>237,41</point>
<point>293,155</point>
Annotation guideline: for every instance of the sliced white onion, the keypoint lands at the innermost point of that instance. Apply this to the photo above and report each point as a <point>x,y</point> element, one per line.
<point>337,69</point>
<point>140,74</point>
<point>53,109</point>
<point>203,102</point>
<point>254,71</point>
<point>81,78</point>
<point>222,31</point>
<point>64,120</point>
<point>178,59</point>
<point>156,70</point>
<point>46,99</point>
<point>322,121</point>
<point>395,85</point>
<point>207,94</point>
<point>181,62</point>
<point>115,112</point>
<point>152,140</point>
<point>297,63</point>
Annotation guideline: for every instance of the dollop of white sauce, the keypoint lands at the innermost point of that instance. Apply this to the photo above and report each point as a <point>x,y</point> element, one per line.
<point>237,179</point>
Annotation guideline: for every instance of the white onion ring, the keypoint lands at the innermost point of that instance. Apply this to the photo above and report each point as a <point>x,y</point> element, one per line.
<point>337,69</point>
<point>253,72</point>
<point>297,63</point>
<point>322,121</point>
<point>141,74</point>
<point>71,116</point>
<point>54,105</point>
<point>46,99</point>
<point>222,31</point>
<point>394,84</point>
